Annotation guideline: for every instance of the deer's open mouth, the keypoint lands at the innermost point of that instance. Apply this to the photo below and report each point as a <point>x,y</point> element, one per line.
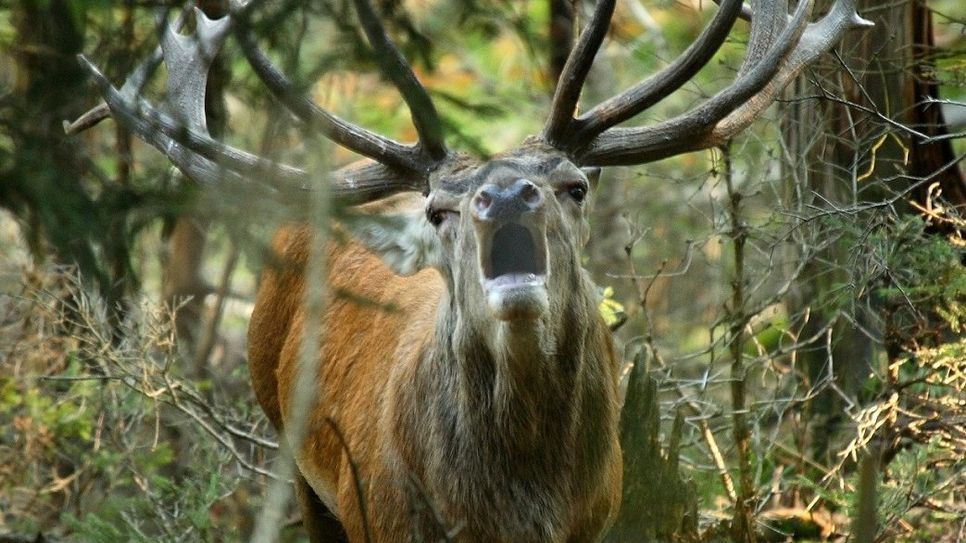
<point>514,266</point>
<point>514,258</point>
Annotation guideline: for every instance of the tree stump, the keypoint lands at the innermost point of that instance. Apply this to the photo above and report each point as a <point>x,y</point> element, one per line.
<point>658,504</point>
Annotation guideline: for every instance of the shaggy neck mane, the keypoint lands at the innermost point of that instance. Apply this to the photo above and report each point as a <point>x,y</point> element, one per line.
<point>521,395</point>
<point>504,422</point>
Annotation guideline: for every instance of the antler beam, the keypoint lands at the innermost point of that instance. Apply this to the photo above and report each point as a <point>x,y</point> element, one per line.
<point>360,140</point>
<point>655,88</point>
<point>412,159</point>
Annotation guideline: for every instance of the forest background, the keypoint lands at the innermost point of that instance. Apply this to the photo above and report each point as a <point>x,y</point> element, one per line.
<point>795,302</point>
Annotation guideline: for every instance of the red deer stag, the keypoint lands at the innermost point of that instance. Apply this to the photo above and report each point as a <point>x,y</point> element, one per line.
<point>483,407</point>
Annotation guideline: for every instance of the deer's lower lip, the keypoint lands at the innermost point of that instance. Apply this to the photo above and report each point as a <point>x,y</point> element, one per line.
<point>516,297</point>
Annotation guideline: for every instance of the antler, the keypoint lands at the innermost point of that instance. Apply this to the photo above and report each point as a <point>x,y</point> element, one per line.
<point>183,136</point>
<point>779,48</point>
<point>181,133</point>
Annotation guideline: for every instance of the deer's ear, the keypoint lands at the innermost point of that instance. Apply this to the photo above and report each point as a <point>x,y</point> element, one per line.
<point>593,176</point>
<point>406,242</point>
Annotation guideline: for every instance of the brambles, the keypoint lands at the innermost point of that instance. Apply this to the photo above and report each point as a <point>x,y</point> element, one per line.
<point>108,441</point>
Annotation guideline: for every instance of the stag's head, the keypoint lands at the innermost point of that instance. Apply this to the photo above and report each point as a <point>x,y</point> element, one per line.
<point>506,234</point>
<point>512,232</point>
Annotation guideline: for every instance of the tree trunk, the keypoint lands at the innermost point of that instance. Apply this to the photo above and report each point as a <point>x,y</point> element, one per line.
<point>828,149</point>
<point>936,159</point>
<point>42,181</point>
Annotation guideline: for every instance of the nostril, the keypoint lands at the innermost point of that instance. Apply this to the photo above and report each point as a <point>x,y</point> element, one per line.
<point>530,193</point>
<point>483,200</point>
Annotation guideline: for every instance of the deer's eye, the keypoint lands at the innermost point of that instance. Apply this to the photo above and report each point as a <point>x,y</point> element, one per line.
<point>437,217</point>
<point>577,191</point>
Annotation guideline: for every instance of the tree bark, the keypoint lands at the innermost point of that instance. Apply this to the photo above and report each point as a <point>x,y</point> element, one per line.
<point>935,159</point>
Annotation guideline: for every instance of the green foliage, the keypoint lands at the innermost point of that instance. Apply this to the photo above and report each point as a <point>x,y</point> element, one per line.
<point>916,275</point>
<point>923,271</point>
<point>164,510</point>
<point>916,475</point>
<point>919,475</point>
<point>74,209</point>
<point>102,455</point>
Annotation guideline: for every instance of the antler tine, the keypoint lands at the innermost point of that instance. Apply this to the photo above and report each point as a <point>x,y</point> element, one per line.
<point>352,137</point>
<point>208,161</point>
<point>397,69</point>
<point>817,38</point>
<point>188,78</point>
<point>185,139</point>
<point>771,62</point>
<point>745,10</point>
<point>660,85</point>
<point>575,72</point>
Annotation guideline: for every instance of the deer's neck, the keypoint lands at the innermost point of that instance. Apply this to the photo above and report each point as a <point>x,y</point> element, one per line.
<point>519,375</point>
<point>512,419</point>
<point>520,383</point>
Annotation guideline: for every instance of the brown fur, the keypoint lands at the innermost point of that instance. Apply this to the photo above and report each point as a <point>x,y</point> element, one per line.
<point>449,432</point>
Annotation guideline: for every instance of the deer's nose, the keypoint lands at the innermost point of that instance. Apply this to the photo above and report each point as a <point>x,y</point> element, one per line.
<point>494,202</point>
